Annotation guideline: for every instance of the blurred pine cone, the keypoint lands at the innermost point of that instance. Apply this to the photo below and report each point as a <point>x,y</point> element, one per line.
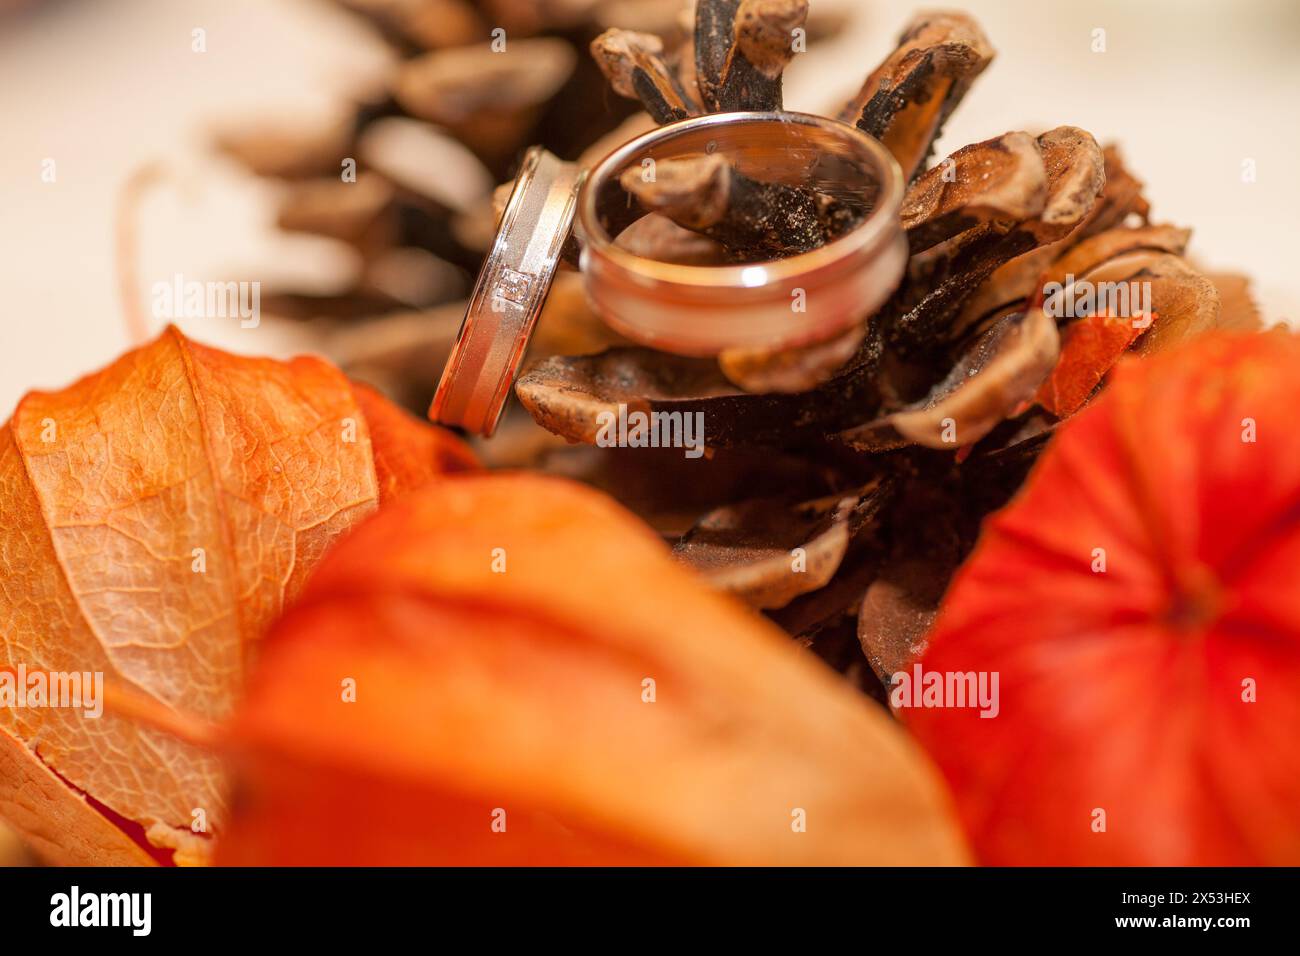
<point>405,178</point>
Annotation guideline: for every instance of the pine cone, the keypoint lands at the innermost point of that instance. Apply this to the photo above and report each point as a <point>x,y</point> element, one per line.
<point>850,477</point>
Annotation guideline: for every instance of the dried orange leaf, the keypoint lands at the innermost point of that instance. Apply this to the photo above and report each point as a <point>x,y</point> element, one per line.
<point>407,451</point>
<point>158,514</point>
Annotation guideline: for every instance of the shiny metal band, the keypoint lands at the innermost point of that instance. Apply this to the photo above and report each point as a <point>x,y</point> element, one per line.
<point>509,294</point>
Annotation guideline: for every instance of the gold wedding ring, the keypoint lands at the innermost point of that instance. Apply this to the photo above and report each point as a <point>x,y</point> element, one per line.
<point>688,309</point>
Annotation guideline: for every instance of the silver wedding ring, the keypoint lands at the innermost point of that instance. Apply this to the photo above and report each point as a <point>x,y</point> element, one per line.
<point>688,309</point>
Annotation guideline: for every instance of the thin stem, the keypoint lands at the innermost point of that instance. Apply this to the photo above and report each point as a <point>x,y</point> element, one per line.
<point>127,248</point>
